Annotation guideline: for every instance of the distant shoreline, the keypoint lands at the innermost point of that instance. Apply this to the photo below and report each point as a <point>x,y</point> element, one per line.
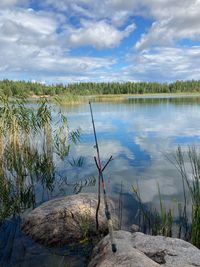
<point>80,99</point>
<point>122,95</point>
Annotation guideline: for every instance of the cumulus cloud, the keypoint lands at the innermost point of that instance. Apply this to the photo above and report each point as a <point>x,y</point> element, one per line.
<point>24,35</point>
<point>99,35</point>
<point>174,20</point>
<point>44,40</point>
<point>30,44</point>
<point>170,30</point>
<point>165,63</point>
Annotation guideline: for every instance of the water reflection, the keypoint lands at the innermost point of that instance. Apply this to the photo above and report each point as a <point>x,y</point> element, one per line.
<point>140,134</point>
<point>18,250</point>
<point>32,141</point>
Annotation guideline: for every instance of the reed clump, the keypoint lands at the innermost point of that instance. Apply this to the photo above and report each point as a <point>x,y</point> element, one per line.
<point>188,165</point>
<point>163,221</point>
<point>108,98</point>
<point>69,99</point>
<point>151,220</point>
<point>29,145</point>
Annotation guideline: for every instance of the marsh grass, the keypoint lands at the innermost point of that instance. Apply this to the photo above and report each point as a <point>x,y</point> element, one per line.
<point>153,221</point>
<point>34,140</point>
<point>69,99</point>
<point>190,175</point>
<point>163,221</point>
<point>30,141</point>
<point>109,98</point>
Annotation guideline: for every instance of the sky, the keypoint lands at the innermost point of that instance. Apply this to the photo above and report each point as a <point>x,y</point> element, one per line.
<point>69,41</point>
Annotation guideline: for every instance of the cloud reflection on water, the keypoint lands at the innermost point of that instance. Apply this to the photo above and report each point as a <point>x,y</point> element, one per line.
<point>139,136</point>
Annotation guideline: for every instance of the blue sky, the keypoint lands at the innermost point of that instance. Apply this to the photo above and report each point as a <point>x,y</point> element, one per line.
<point>109,40</point>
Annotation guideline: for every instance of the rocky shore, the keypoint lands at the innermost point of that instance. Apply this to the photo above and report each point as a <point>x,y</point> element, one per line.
<point>66,220</point>
<point>70,219</point>
<point>140,250</point>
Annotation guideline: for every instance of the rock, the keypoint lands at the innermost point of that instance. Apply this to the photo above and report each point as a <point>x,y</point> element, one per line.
<point>126,254</point>
<point>140,250</point>
<point>66,220</point>
<point>134,228</point>
<point>175,252</point>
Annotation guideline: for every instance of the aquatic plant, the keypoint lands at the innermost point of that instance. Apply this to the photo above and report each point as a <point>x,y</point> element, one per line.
<point>69,99</point>
<point>191,176</point>
<point>151,220</point>
<point>29,145</point>
<point>163,221</point>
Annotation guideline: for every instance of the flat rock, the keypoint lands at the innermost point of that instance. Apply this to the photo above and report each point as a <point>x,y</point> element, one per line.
<point>66,220</point>
<point>174,251</point>
<point>140,250</point>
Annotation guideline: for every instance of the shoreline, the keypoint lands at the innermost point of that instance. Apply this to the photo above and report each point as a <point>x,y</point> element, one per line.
<point>72,100</point>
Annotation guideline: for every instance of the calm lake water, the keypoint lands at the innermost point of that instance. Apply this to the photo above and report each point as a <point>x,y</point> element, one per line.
<point>140,134</point>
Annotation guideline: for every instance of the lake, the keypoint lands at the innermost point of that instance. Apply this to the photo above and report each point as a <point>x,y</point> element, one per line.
<point>142,134</point>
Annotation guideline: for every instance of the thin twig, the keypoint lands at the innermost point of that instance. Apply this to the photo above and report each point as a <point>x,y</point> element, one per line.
<point>100,170</point>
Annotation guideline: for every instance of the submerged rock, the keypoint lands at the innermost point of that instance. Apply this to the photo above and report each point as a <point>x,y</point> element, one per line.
<point>140,250</point>
<point>66,220</point>
<point>134,228</point>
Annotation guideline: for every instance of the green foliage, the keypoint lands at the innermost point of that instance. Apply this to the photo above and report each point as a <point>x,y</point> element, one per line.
<point>28,146</point>
<point>69,93</point>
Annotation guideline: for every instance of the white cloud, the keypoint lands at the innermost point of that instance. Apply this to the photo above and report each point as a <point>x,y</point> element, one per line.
<point>98,34</point>
<point>174,20</point>
<point>26,22</point>
<point>96,10</point>
<point>36,61</point>
<point>10,3</point>
<point>165,63</point>
<point>168,31</point>
<point>41,41</point>
<point>30,44</point>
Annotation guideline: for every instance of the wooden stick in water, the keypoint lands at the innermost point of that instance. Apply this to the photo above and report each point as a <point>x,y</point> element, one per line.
<point>100,169</point>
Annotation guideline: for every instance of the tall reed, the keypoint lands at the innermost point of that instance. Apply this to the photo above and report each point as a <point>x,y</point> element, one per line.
<point>28,147</point>
<point>151,220</point>
<point>163,222</point>
<point>188,164</point>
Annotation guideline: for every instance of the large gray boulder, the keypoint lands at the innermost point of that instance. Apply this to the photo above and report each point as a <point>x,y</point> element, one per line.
<point>140,250</point>
<point>66,220</point>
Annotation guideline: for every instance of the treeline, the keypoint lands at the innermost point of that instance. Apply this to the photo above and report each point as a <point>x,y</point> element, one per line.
<point>22,88</point>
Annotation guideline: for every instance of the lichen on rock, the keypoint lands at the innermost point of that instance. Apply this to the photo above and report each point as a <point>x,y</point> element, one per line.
<point>140,250</point>
<point>66,220</point>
